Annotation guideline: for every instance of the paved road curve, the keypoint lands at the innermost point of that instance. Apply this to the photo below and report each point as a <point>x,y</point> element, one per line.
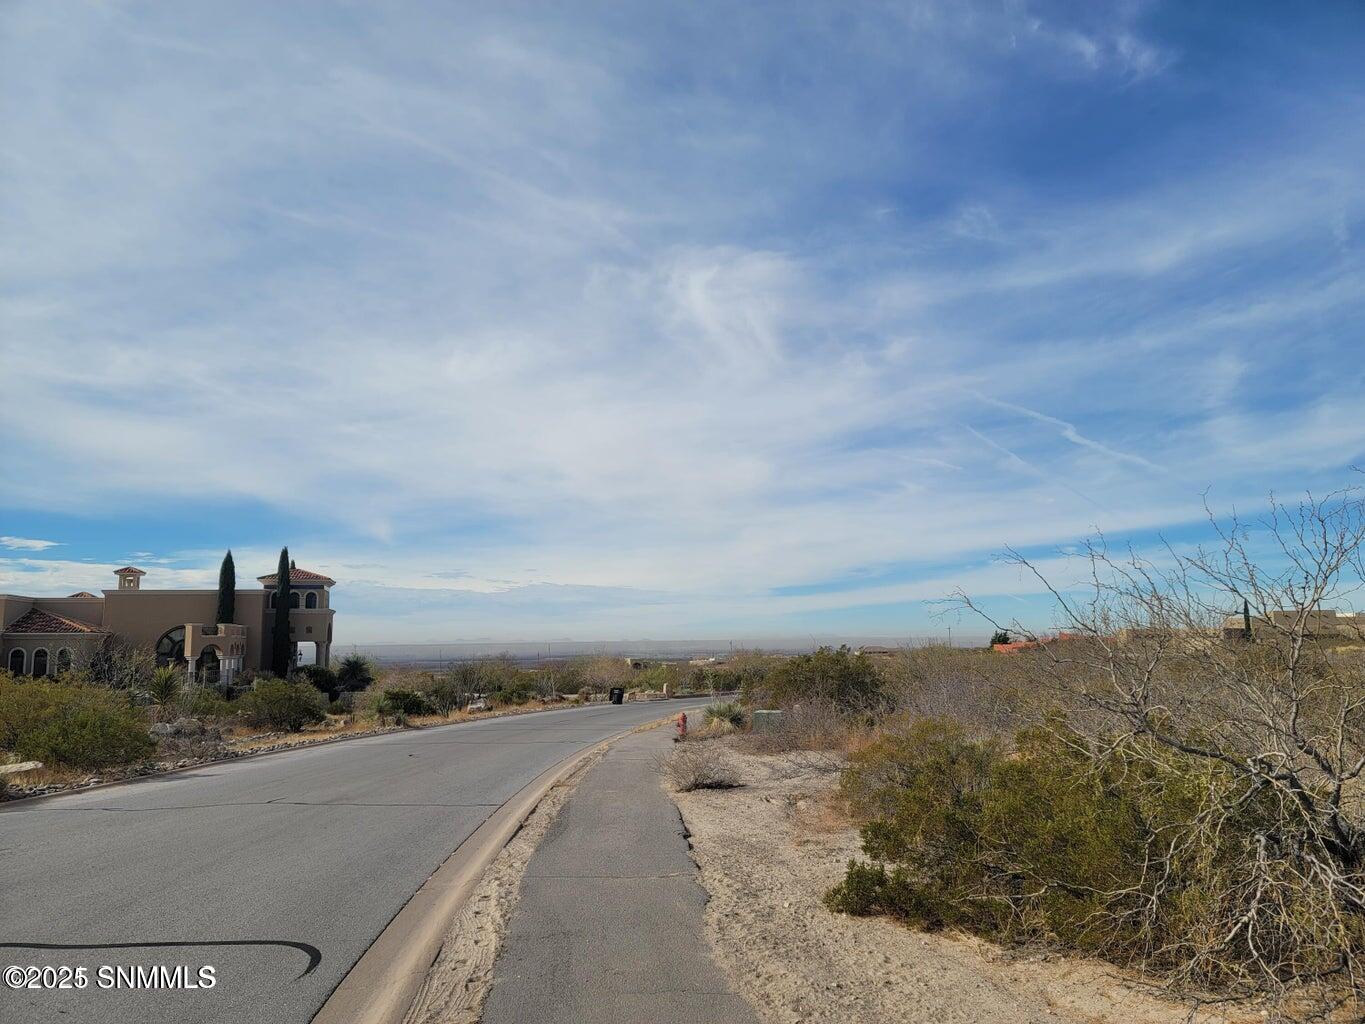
<point>277,871</point>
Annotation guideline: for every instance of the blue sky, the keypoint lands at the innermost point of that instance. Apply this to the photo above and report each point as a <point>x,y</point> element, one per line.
<point>533,321</point>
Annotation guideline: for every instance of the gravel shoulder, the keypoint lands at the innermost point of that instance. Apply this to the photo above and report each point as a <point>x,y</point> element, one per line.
<point>769,850</point>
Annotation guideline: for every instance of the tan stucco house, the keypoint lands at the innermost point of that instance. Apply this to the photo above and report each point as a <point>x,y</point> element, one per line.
<point>44,635</point>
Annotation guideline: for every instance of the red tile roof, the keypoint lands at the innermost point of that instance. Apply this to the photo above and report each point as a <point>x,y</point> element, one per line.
<point>83,593</point>
<point>298,576</point>
<point>129,570</point>
<point>35,620</point>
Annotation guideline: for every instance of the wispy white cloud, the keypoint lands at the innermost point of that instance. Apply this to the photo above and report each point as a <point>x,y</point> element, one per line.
<point>27,544</point>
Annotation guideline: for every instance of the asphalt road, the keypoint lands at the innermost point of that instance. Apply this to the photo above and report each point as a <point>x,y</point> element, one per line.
<point>277,871</point>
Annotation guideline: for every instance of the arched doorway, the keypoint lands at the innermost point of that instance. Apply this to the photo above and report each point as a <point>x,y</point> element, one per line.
<point>40,662</point>
<point>16,661</point>
<point>64,660</point>
<point>170,649</point>
<point>206,666</point>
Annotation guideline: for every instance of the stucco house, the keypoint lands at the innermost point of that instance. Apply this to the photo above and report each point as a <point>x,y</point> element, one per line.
<point>44,635</point>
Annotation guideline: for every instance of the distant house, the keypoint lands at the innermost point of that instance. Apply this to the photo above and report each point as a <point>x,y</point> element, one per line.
<point>1027,645</point>
<point>42,636</point>
<point>1323,622</point>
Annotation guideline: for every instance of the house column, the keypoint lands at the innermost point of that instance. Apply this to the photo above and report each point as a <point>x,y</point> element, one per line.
<point>324,654</point>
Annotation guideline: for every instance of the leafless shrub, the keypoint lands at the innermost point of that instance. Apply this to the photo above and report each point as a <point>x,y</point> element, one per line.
<point>1156,665</point>
<point>982,690</point>
<point>699,766</point>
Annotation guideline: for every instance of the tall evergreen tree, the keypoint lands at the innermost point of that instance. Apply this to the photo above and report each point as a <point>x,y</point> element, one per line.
<point>282,647</point>
<point>1246,620</point>
<point>227,589</point>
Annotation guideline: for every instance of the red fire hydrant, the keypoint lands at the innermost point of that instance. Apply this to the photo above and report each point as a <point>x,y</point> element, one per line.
<point>682,726</point>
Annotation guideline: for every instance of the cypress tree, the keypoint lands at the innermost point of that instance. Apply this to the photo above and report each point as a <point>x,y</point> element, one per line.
<point>282,647</point>
<point>1246,620</point>
<point>227,590</point>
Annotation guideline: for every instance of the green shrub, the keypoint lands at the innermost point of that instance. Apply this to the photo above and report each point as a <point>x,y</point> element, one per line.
<point>203,702</point>
<point>287,706</point>
<point>405,703</point>
<point>836,677</point>
<point>446,695</point>
<point>354,673</point>
<point>322,679</point>
<point>1051,842</point>
<point>71,725</point>
<point>515,692</point>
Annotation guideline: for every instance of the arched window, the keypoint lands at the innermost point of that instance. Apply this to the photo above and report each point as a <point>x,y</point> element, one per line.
<point>294,599</point>
<point>171,647</point>
<point>311,601</point>
<point>270,600</point>
<point>40,661</point>
<point>64,660</point>
<point>16,661</point>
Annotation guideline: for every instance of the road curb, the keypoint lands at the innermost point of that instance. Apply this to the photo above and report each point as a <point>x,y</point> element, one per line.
<point>382,985</point>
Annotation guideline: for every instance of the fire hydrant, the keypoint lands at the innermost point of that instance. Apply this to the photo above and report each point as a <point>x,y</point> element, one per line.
<point>682,727</point>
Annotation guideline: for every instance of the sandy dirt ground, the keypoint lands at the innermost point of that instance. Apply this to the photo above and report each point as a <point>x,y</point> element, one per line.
<point>769,850</point>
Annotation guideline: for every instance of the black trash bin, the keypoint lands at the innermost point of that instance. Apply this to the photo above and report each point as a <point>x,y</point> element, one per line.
<point>618,694</point>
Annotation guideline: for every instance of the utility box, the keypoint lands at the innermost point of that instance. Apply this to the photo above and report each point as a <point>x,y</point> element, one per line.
<point>618,694</point>
<point>767,721</point>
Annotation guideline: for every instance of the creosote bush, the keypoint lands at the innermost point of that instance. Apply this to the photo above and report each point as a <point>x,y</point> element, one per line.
<point>65,723</point>
<point>281,704</point>
<point>831,676</point>
<point>1122,850</point>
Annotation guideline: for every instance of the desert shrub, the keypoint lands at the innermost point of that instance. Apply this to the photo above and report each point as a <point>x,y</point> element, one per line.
<point>985,690</point>
<point>71,725</point>
<point>281,704</point>
<point>354,673</point>
<point>1136,854</point>
<point>811,727</point>
<point>566,677</point>
<point>515,692</point>
<point>835,677</point>
<point>726,711</point>
<point>699,766</point>
<point>341,706</point>
<point>406,703</point>
<point>122,664</point>
<point>324,680</point>
<point>203,702</point>
<point>446,695</point>
<point>603,672</point>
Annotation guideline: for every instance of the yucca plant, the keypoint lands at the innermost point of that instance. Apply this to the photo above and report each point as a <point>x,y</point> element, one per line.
<point>163,689</point>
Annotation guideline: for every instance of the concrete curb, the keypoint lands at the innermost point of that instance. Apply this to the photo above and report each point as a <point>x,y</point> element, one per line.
<point>381,987</point>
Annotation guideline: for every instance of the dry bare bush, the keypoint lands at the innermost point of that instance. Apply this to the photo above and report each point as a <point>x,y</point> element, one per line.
<point>699,766</point>
<point>1280,711</point>
<point>980,689</point>
<point>811,736</point>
